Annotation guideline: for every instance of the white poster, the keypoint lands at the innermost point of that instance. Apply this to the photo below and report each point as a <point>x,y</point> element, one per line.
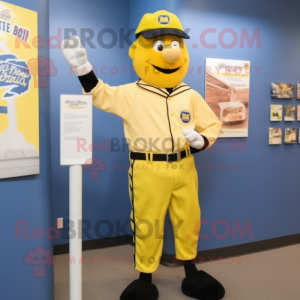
<point>75,129</point>
<point>227,85</point>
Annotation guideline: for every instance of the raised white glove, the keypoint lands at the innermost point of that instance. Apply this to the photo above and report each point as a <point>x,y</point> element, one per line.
<point>75,55</point>
<point>193,137</point>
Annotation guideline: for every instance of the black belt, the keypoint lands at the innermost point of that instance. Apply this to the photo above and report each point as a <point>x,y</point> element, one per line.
<point>170,157</point>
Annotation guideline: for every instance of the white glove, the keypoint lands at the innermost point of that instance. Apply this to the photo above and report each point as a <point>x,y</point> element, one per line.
<point>75,55</point>
<point>193,137</point>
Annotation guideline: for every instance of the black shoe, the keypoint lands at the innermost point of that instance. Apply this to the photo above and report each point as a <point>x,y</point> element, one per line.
<point>140,290</point>
<point>202,286</point>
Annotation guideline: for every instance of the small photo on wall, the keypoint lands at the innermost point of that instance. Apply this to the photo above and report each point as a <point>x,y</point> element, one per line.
<point>298,91</point>
<point>275,136</point>
<point>290,136</point>
<point>276,113</point>
<point>298,113</point>
<point>280,90</point>
<point>290,113</point>
<point>299,136</point>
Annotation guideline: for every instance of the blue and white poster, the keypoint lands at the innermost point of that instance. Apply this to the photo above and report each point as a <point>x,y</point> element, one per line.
<point>19,95</point>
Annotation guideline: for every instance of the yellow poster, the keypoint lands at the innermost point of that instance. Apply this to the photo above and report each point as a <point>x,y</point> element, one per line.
<point>19,95</point>
<point>227,88</point>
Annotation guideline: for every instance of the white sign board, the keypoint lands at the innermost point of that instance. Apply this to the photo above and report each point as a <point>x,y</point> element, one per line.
<point>75,129</point>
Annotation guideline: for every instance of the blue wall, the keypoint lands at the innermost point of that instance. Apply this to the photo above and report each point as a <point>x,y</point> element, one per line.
<point>264,192</point>
<point>28,198</point>
<point>107,196</point>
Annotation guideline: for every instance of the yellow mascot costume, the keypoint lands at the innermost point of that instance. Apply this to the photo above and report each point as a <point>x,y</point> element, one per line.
<point>165,123</point>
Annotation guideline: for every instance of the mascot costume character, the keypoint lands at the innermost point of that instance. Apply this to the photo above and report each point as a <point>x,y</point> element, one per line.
<point>165,123</point>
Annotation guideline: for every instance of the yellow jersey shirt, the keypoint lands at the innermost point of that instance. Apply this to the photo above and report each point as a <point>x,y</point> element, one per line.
<point>153,118</point>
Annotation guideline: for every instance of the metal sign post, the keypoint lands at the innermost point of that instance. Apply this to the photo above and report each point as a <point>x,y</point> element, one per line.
<point>75,265</point>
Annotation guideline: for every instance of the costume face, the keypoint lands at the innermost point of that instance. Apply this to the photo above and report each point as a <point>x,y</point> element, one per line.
<point>162,61</point>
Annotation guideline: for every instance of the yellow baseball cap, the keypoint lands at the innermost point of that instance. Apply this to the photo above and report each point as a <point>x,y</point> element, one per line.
<point>160,23</point>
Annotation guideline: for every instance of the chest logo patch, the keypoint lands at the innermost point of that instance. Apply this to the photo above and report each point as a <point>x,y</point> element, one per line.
<point>185,116</point>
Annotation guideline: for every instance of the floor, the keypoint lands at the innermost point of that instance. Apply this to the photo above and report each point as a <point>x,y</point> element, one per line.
<point>269,275</point>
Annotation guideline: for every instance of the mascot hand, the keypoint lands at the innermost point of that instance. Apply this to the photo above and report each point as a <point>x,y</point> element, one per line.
<point>75,55</point>
<point>193,137</point>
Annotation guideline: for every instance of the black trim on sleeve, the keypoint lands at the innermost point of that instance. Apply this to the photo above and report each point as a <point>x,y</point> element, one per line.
<point>88,81</point>
<point>206,143</point>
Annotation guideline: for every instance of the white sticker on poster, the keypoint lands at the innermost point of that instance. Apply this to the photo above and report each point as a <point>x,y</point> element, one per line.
<point>75,129</point>
<point>227,86</point>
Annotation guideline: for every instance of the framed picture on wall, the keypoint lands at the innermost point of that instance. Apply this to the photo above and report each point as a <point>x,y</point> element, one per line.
<point>298,136</point>
<point>290,113</point>
<point>298,113</point>
<point>290,136</point>
<point>276,113</point>
<point>281,90</point>
<point>298,91</point>
<point>227,92</point>
<point>275,136</point>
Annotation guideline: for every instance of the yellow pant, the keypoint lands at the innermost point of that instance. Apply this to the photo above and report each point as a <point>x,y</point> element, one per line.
<point>154,188</point>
